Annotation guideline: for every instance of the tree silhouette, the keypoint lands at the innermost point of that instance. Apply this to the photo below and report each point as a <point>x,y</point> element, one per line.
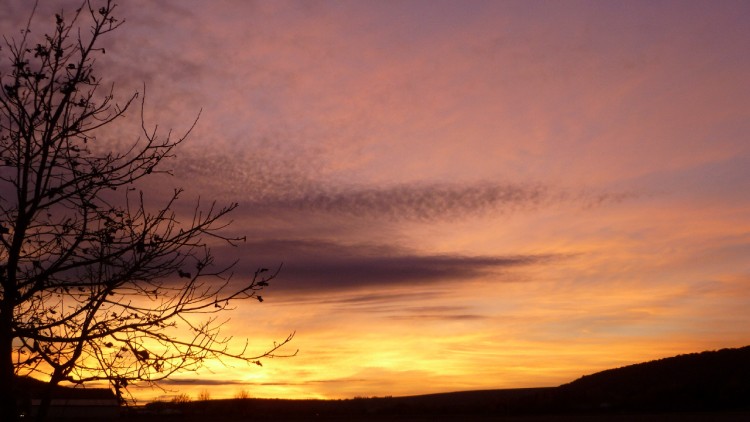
<point>95,282</point>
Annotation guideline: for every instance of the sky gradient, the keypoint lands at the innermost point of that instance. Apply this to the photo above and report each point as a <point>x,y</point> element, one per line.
<point>463,194</point>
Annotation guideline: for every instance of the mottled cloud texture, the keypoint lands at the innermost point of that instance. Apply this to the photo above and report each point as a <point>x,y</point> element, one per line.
<point>269,187</point>
<point>412,201</point>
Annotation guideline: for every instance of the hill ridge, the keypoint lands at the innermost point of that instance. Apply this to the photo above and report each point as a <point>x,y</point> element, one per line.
<point>709,381</point>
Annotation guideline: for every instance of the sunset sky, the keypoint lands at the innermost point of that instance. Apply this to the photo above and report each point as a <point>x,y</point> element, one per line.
<point>464,194</point>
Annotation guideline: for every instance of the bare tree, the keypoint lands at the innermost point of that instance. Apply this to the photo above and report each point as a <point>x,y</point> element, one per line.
<point>95,282</point>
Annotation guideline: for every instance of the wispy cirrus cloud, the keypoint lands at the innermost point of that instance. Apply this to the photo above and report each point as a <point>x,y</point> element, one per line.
<point>201,381</point>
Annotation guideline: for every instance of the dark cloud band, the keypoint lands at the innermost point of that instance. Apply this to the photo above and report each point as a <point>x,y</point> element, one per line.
<point>325,266</point>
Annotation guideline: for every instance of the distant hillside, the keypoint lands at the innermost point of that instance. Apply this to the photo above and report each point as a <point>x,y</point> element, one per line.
<point>710,383</point>
<point>699,381</point>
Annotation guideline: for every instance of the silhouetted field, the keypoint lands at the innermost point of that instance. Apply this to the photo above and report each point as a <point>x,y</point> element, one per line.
<point>371,410</point>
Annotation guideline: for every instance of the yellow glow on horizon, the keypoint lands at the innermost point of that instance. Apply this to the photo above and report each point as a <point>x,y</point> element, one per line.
<point>558,339</point>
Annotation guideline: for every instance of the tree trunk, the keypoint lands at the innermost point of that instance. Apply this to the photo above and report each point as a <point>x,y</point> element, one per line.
<point>8,411</point>
<point>46,398</point>
<point>43,410</point>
